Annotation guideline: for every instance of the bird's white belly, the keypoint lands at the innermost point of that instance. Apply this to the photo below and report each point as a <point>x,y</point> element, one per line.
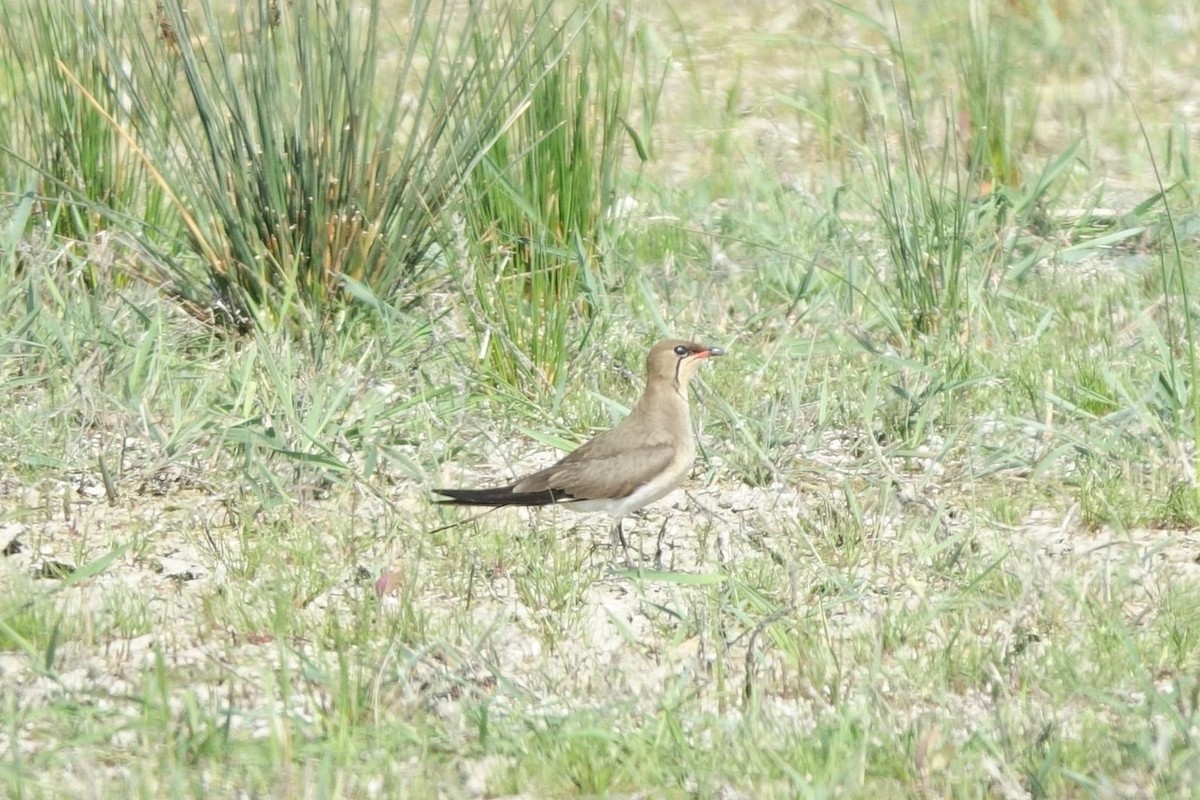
<point>642,496</point>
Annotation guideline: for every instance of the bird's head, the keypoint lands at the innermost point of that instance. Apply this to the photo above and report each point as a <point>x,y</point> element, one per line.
<point>675,361</point>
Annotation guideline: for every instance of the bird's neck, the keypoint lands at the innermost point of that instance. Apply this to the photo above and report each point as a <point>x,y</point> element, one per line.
<point>666,400</point>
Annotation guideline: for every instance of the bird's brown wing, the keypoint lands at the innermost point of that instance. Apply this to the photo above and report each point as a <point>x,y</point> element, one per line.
<point>608,466</point>
<point>601,477</point>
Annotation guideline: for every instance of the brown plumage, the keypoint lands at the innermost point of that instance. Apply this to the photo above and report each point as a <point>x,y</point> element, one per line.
<point>637,462</point>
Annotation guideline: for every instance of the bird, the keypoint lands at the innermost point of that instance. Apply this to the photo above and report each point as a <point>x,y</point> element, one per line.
<point>639,461</point>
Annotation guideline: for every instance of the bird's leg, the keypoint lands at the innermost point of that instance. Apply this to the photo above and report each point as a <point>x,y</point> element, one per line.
<point>658,548</point>
<point>619,539</point>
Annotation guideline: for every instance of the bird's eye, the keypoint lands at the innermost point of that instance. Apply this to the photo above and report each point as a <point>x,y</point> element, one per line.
<point>681,350</point>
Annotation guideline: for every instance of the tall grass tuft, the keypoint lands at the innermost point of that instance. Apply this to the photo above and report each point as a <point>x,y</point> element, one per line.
<point>294,150</point>
<point>543,202</point>
<point>921,203</point>
<point>993,131</point>
<point>946,182</point>
<point>62,127</point>
<point>312,159</point>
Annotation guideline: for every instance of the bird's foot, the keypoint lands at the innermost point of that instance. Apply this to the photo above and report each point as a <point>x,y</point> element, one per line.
<point>658,547</point>
<point>619,540</point>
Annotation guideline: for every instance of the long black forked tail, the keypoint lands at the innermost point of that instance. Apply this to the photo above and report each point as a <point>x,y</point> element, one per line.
<point>493,499</point>
<point>500,496</point>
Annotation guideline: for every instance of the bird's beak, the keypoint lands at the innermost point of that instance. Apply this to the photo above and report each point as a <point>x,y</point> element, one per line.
<point>709,352</point>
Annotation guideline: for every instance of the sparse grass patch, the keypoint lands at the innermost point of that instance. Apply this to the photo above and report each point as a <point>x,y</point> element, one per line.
<point>22,629</point>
